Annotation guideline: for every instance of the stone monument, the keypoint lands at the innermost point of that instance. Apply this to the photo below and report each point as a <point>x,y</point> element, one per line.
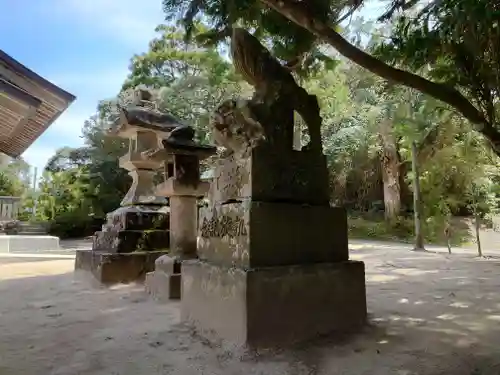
<point>135,234</point>
<point>273,263</point>
<point>184,187</point>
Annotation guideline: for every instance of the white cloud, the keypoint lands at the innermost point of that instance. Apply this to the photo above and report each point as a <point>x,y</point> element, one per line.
<point>65,131</point>
<point>67,128</point>
<point>37,156</point>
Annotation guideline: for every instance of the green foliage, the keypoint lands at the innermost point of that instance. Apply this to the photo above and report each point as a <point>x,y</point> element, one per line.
<point>402,229</point>
<point>457,168</point>
<point>190,80</point>
<point>456,41</point>
<point>15,178</point>
<point>81,185</point>
<point>451,46</point>
<point>459,172</point>
<point>169,58</point>
<point>288,41</point>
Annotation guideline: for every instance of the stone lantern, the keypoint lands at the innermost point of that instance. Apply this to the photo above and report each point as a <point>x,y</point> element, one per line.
<point>140,227</point>
<point>184,187</point>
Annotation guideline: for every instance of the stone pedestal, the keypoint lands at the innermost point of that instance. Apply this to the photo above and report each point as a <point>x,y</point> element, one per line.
<point>273,305</point>
<point>273,263</point>
<point>116,268</point>
<point>164,283</point>
<point>125,250</point>
<point>133,228</point>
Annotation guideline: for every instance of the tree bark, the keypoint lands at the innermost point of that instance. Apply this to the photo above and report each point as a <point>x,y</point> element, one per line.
<point>417,201</point>
<point>297,132</point>
<point>298,13</point>
<point>447,233</point>
<point>389,160</point>
<point>477,225</point>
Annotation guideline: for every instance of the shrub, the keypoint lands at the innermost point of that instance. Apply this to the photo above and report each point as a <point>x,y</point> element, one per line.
<point>74,225</point>
<point>403,229</point>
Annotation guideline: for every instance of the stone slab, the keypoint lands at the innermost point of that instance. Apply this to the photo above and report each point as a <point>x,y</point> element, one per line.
<point>128,241</point>
<point>259,234</point>
<point>109,268</point>
<point>27,243</point>
<point>163,287</point>
<point>272,175</point>
<point>276,305</point>
<point>138,218</point>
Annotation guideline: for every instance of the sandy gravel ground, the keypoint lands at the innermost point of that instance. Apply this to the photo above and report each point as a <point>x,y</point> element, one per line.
<point>430,314</point>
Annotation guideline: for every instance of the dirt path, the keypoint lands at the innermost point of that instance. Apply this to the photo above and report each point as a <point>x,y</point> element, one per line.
<point>431,314</point>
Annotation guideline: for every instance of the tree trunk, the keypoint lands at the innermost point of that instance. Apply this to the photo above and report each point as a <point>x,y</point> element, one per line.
<point>477,223</point>
<point>447,234</point>
<point>417,201</point>
<point>297,132</point>
<point>389,160</point>
<point>298,13</point>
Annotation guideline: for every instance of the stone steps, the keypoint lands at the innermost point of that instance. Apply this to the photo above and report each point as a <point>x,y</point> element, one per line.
<point>28,228</point>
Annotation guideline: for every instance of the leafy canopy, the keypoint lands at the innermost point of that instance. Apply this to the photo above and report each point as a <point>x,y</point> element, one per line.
<point>288,41</point>
<point>447,49</point>
<point>455,42</point>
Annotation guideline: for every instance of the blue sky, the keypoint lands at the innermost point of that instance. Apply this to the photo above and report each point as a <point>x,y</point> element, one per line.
<point>83,46</point>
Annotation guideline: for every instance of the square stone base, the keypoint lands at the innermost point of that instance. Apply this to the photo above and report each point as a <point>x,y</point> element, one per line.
<point>274,305</point>
<point>162,286</point>
<point>253,234</point>
<point>115,268</point>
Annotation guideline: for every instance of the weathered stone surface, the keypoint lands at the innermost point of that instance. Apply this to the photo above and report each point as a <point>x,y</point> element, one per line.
<point>116,268</point>
<point>168,264</point>
<point>10,207</point>
<point>132,228</point>
<point>258,234</point>
<point>138,218</point>
<point>274,263</point>
<point>171,187</point>
<point>272,175</point>
<point>165,282</point>
<point>148,119</point>
<point>163,287</point>
<point>143,114</point>
<point>142,190</point>
<point>183,226</point>
<point>128,241</point>
<point>274,305</point>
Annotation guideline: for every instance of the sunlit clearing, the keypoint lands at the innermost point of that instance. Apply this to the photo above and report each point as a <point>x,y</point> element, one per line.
<point>32,269</point>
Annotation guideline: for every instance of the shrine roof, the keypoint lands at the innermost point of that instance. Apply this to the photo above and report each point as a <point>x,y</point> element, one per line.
<point>29,104</point>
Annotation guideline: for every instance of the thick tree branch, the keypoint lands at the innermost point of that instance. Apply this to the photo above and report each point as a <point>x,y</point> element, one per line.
<point>297,13</point>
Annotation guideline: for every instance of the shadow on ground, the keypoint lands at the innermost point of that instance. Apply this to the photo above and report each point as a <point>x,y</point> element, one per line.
<point>430,314</point>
